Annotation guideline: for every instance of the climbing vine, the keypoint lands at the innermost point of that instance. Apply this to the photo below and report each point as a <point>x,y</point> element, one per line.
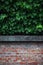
<point>21,16</point>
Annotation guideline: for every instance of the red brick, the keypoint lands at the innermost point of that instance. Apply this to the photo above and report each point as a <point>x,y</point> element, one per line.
<point>23,56</point>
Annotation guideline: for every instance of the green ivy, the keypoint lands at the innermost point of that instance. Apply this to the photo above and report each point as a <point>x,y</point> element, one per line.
<point>21,16</point>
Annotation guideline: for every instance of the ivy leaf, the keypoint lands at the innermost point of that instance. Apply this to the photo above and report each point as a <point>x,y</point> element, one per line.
<point>2,16</point>
<point>39,26</point>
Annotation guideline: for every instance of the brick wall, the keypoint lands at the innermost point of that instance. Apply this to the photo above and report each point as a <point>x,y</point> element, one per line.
<point>22,54</point>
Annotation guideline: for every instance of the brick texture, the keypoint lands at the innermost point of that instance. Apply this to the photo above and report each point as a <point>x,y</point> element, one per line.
<point>30,54</point>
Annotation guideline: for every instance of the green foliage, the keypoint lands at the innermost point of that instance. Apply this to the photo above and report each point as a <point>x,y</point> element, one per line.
<point>21,16</point>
